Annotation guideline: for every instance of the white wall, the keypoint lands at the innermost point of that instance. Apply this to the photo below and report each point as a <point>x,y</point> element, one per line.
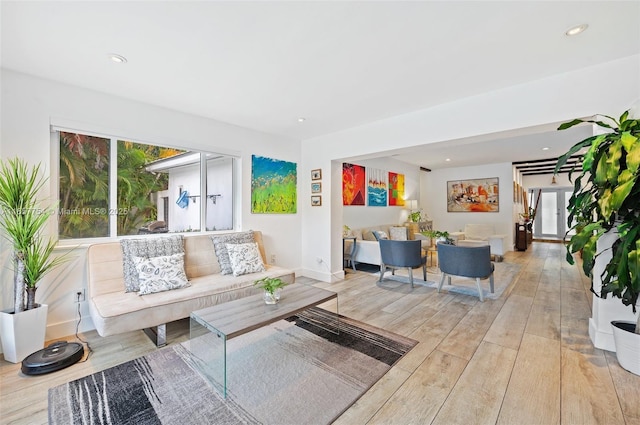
<point>608,88</point>
<point>28,107</point>
<point>184,178</point>
<point>436,203</point>
<point>219,182</point>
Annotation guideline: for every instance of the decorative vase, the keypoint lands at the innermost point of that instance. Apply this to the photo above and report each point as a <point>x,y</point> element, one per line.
<point>22,333</point>
<point>272,297</point>
<point>627,345</point>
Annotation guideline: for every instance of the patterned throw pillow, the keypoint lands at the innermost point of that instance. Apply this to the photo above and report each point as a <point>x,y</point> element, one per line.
<point>146,248</point>
<point>245,258</point>
<point>164,273</point>
<point>380,234</point>
<point>220,245</point>
<point>398,233</point>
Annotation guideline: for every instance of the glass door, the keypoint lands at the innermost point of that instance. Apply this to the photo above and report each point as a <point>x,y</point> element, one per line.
<point>550,221</point>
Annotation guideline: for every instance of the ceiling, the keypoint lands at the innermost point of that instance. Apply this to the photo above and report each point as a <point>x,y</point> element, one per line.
<point>339,64</point>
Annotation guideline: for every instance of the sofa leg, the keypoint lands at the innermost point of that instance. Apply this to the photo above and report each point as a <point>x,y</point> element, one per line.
<point>158,335</point>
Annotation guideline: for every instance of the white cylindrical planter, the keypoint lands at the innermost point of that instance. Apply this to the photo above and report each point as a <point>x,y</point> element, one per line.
<point>23,333</point>
<point>606,310</point>
<point>627,345</point>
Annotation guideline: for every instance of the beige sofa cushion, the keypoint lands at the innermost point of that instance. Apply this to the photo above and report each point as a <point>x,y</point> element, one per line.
<point>114,313</point>
<point>480,232</point>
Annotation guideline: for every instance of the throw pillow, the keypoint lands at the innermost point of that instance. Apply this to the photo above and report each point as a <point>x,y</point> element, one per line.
<point>163,273</point>
<point>368,235</point>
<point>380,234</point>
<point>220,246</point>
<point>146,248</point>
<point>398,233</point>
<point>245,258</point>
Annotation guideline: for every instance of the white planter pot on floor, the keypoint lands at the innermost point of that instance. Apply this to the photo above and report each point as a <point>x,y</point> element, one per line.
<point>627,345</point>
<point>22,333</point>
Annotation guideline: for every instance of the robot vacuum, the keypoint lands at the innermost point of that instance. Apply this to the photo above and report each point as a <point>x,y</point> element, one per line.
<point>55,356</point>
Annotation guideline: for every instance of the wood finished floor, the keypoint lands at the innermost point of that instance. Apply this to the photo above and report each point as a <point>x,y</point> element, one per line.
<point>525,358</point>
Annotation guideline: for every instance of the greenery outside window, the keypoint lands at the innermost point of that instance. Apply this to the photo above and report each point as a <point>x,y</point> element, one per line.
<point>146,189</point>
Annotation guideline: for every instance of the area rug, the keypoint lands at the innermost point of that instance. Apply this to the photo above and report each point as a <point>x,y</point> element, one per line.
<point>296,371</point>
<point>503,275</point>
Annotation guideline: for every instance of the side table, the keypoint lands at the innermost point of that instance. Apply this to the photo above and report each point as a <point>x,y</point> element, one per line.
<point>348,257</point>
<point>431,251</point>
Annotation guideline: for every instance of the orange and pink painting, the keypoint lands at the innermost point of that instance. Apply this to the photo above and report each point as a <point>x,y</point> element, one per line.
<point>353,184</point>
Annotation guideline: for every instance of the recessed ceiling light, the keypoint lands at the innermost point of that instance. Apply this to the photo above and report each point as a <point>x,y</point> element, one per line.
<point>448,160</point>
<point>576,30</point>
<point>117,58</point>
<point>545,149</point>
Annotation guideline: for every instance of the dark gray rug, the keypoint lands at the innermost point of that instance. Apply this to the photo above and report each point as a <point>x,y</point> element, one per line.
<point>292,372</point>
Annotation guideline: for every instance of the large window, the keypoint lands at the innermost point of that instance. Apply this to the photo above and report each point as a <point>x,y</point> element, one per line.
<point>111,187</point>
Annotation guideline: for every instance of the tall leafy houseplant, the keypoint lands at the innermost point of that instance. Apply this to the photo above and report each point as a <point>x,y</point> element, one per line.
<point>608,190</point>
<point>23,221</point>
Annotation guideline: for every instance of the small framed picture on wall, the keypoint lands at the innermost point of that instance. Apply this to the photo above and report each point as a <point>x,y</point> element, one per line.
<point>316,201</point>
<point>316,174</point>
<point>316,187</point>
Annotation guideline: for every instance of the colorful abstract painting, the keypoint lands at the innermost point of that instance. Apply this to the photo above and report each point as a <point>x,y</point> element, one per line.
<point>273,186</point>
<point>477,195</point>
<point>396,189</point>
<point>376,187</point>
<point>353,184</point>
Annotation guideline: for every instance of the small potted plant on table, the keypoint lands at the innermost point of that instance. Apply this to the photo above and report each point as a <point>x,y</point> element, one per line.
<point>438,235</point>
<point>272,287</point>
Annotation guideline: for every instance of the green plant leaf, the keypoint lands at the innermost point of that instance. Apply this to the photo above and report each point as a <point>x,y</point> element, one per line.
<point>624,116</point>
<point>570,124</point>
<point>604,204</point>
<point>589,157</point>
<point>609,165</point>
<point>620,193</point>
<point>562,160</point>
<point>633,260</point>
<point>632,147</point>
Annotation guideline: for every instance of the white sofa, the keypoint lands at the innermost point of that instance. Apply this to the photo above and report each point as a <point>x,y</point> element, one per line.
<point>115,311</point>
<point>483,234</point>
<point>367,247</point>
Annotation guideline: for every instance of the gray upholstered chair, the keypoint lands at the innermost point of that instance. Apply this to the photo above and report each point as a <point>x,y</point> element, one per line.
<point>401,254</point>
<point>473,262</point>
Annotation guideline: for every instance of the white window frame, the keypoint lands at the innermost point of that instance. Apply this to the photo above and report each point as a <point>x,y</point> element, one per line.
<point>113,180</point>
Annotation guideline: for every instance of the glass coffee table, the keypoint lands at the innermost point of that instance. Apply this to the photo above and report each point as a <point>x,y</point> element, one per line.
<point>212,327</point>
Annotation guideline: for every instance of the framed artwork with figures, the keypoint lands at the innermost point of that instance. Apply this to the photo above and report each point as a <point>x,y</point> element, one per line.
<point>475,195</point>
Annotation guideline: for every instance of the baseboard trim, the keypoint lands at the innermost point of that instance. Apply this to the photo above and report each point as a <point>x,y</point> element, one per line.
<point>601,339</point>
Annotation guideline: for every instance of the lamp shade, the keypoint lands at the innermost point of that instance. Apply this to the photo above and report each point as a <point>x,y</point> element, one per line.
<point>412,204</point>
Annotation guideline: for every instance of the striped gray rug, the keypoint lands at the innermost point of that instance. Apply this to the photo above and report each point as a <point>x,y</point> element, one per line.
<point>296,371</point>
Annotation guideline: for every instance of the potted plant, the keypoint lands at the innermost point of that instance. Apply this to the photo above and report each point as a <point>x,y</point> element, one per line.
<point>23,221</point>
<point>438,235</point>
<point>606,199</point>
<point>415,216</point>
<point>272,287</point>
